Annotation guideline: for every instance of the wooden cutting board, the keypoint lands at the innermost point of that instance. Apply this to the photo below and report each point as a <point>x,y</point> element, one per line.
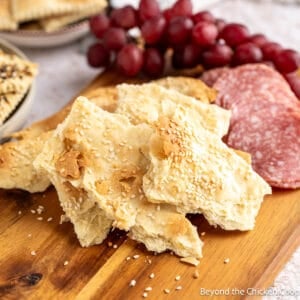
<point>61,269</point>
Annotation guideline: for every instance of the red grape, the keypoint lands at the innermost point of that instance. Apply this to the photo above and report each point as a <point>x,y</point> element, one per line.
<point>98,56</point>
<point>182,8</point>
<point>287,61</point>
<point>114,38</point>
<point>167,13</point>
<point>191,55</point>
<point>99,24</point>
<point>247,53</point>
<point>153,29</point>
<point>258,39</point>
<point>124,17</point>
<point>148,9</point>
<point>205,16</point>
<point>220,23</point>
<point>153,62</point>
<point>205,33</point>
<point>179,30</point>
<point>217,56</point>
<point>187,56</point>
<point>177,59</point>
<point>270,50</point>
<point>234,34</point>
<point>130,60</point>
<point>294,81</point>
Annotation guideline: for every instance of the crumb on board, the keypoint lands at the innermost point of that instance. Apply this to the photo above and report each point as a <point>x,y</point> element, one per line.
<point>190,260</point>
<point>49,219</point>
<point>128,258</point>
<point>32,211</point>
<point>136,256</point>
<point>109,244</point>
<point>151,275</point>
<point>178,288</point>
<point>149,261</point>
<point>226,260</point>
<point>196,274</point>
<point>115,246</point>
<point>19,212</point>
<point>33,253</point>
<point>145,295</point>
<point>39,218</point>
<point>66,263</point>
<point>148,289</point>
<point>63,219</point>
<point>166,291</point>
<point>203,233</point>
<point>132,282</point>
<point>29,235</point>
<point>178,277</point>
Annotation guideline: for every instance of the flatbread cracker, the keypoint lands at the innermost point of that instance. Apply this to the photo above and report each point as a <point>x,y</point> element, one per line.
<point>190,87</point>
<point>25,10</point>
<point>100,153</point>
<point>194,170</point>
<point>7,22</point>
<point>8,103</point>
<point>57,22</point>
<point>16,74</point>
<point>145,103</point>
<point>16,170</point>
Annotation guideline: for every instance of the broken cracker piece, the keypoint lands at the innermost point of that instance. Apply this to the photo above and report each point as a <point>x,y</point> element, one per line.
<point>16,169</point>
<point>145,103</point>
<point>111,167</point>
<point>190,260</point>
<point>194,170</point>
<point>188,86</point>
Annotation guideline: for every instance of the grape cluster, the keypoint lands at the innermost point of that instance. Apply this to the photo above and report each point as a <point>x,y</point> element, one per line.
<point>194,39</point>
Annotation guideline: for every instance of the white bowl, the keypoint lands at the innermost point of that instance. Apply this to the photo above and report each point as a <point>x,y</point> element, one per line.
<point>18,118</point>
<point>42,39</point>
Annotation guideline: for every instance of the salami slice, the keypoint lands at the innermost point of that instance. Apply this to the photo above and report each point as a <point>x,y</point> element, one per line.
<point>274,143</point>
<point>249,79</point>
<point>265,121</point>
<point>211,76</point>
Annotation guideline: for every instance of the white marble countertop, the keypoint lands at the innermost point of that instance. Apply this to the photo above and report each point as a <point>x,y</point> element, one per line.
<point>64,72</point>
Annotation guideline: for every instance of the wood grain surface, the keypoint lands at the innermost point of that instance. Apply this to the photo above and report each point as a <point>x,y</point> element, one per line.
<point>42,259</point>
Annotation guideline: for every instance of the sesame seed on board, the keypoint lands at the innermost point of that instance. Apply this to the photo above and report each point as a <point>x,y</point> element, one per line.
<point>226,260</point>
<point>132,282</point>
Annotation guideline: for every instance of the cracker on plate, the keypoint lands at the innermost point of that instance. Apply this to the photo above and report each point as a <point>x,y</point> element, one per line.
<point>25,10</point>
<point>57,22</point>
<point>16,74</point>
<point>7,22</point>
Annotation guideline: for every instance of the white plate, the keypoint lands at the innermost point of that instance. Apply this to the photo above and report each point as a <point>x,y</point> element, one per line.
<point>18,118</point>
<point>42,39</point>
